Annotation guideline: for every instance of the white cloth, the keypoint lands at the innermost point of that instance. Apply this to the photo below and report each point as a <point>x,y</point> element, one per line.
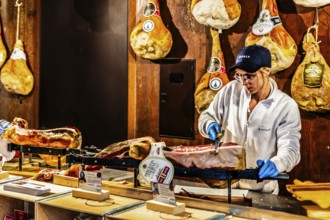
<point>272,130</point>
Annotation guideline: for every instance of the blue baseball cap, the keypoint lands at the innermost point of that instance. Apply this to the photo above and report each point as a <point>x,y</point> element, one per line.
<point>252,58</point>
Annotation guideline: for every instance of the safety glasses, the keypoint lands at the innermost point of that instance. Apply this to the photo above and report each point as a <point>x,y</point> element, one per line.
<point>244,77</point>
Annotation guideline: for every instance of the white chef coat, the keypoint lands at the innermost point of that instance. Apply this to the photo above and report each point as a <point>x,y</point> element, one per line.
<point>272,131</point>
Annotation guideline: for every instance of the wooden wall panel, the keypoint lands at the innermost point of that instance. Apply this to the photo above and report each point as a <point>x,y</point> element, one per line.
<point>193,39</point>
<point>12,105</point>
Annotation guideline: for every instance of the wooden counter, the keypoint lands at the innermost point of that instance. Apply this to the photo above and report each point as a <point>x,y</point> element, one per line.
<point>189,214</point>
<point>68,207</point>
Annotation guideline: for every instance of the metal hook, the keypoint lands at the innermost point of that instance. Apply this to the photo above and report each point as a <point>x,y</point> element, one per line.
<point>18,4</point>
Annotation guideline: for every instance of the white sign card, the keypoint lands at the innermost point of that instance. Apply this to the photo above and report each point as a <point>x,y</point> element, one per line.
<point>163,193</point>
<point>90,180</point>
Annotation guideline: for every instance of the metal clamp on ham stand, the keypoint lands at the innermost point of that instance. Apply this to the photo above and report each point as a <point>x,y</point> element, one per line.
<point>228,175</point>
<point>41,150</point>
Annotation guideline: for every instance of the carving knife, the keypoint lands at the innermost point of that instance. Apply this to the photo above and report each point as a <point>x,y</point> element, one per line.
<point>218,142</point>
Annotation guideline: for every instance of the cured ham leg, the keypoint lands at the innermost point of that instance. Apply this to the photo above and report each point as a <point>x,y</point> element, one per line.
<point>66,137</point>
<point>137,148</point>
<point>15,74</point>
<point>218,14</point>
<point>3,51</point>
<point>19,133</point>
<point>312,3</point>
<point>310,86</point>
<point>269,32</point>
<point>230,156</point>
<point>150,38</point>
<point>215,77</point>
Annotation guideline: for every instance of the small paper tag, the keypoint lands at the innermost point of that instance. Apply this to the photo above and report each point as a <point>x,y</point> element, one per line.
<point>163,193</point>
<point>90,180</point>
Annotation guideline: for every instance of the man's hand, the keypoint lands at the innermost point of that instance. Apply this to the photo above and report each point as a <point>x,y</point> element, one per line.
<point>267,169</point>
<point>213,130</point>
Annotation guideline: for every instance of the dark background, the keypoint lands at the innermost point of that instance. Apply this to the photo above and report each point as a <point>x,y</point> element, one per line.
<point>83,68</point>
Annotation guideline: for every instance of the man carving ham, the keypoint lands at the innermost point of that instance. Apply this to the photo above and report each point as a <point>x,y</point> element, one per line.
<point>255,114</point>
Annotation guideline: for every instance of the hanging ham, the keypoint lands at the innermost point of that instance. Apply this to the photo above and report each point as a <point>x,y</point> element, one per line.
<point>3,51</point>
<point>311,82</point>
<point>215,77</point>
<point>269,32</point>
<point>218,14</point>
<point>150,38</point>
<point>15,74</point>
<point>312,3</point>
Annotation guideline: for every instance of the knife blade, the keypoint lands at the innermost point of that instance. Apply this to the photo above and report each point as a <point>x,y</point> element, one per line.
<point>218,142</point>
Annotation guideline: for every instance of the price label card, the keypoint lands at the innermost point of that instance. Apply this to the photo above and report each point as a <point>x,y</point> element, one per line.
<point>163,193</point>
<point>90,180</point>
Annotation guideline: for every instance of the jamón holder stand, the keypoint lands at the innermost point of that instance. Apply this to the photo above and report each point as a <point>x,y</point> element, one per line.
<point>74,156</point>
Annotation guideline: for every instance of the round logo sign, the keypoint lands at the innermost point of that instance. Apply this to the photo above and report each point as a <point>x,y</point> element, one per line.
<point>148,25</point>
<point>215,84</point>
<point>149,9</point>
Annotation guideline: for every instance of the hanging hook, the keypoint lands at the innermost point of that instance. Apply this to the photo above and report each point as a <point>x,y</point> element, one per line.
<point>18,4</point>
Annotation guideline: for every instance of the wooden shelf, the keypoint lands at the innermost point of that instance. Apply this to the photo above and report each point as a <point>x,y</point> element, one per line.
<point>68,207</point>
<point>190,213</point>
<point>13,200</point>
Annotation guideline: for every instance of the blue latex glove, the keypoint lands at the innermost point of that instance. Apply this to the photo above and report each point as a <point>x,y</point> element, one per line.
<point>213,130</point>
<point>267,169</point>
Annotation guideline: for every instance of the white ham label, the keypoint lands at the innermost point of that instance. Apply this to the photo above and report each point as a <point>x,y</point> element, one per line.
<point>264,24</point>
<point>18,54</point>
<point>155,167</point>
